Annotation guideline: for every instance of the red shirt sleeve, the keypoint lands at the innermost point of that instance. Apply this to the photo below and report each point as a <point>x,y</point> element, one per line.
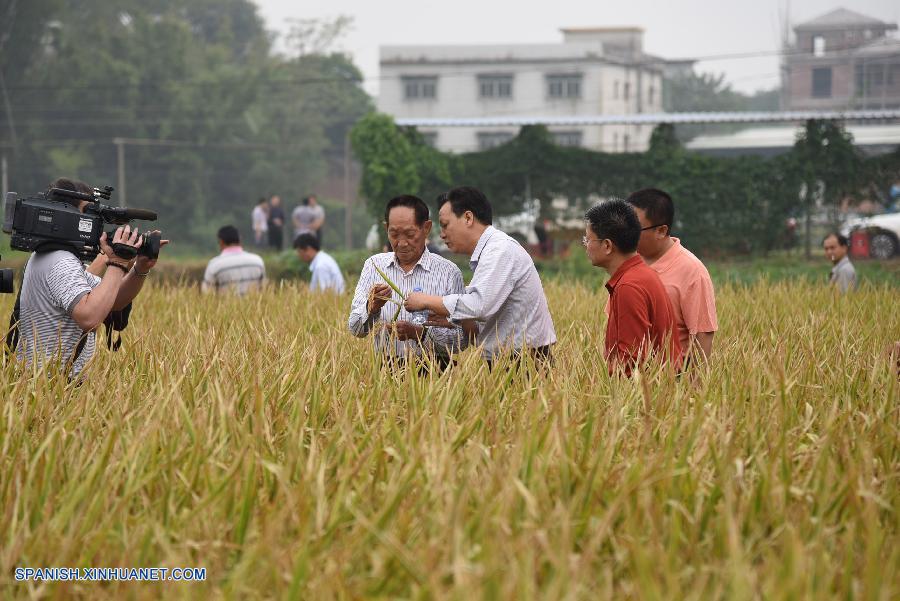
<point>629,328</point>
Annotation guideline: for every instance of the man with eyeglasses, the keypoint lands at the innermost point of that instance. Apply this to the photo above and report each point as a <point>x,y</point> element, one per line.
<point>684,276</point>
<point>641,323</point>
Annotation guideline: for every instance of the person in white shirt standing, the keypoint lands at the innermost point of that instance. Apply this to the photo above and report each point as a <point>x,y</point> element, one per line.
<point>326,275</point>
<point>234,270</point>
<point>505,295</point>
<point>260,222</point>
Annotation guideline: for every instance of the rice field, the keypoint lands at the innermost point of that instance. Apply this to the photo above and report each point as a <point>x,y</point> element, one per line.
<point>257,439</point>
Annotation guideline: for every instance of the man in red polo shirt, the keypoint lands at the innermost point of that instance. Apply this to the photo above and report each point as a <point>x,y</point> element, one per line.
<point>641,321</point>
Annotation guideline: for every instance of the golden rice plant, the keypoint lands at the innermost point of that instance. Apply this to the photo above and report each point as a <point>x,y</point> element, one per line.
<point>256,438</point>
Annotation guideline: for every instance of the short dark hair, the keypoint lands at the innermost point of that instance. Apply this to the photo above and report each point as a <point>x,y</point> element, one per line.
<point>615,220</point>
<point>656,203</point>
<point>306,240</point>
<point>841,238</point>
<point>73,185</point>
<point>262,200</point>
<point>466,198</point>
<point>229,235</point>
<point>407,200</point>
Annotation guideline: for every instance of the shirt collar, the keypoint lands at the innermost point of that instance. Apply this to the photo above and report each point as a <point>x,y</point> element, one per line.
<point>425,261</point>
<point>232,250</point>
<point>479,248</point>
<point>668,258</point>
<point>840,263</point>
<point>623,268</point>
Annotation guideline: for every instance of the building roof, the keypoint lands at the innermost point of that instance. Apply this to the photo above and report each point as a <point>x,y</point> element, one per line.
<point>623,29</point>
<point>652,118</point>
<point>784,136</point>
<point>841,18</point>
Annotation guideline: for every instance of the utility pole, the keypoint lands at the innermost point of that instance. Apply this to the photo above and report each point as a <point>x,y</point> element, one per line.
<point>5,176</point>
<point>348,198</point>
<point>120,163</point>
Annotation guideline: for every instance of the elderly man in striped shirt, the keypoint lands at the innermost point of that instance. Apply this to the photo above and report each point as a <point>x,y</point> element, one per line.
<point>505,294</point>
<point>411,267</point>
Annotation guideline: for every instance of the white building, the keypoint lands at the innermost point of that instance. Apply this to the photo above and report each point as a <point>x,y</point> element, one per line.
<point>593,71</point>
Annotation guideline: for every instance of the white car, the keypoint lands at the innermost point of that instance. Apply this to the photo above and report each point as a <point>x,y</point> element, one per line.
<point>884,233</point>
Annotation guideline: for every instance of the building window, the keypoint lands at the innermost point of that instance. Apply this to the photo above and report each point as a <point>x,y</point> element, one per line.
<point>616,90</point>
<point>567,138</point>
<point>492,139</point>
<point>821,82</point>
<point>564,86</point>
<point>651,95</point>
<point>627,90</point>
<point>818,46</point>
<point>495,86</point>
<point>419,88</point>
<point>430,138</point>
<point>615,147</point>
<point>625,142</point>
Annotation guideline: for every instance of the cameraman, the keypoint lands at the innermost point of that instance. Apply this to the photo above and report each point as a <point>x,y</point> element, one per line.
<point>62,303</point>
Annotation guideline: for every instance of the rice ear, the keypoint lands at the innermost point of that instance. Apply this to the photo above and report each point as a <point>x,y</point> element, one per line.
<point>388,280</point>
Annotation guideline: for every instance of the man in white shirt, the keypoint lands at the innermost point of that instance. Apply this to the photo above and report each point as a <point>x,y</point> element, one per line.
<point>843,274</point>
<point>260,217</point>
<point>326,275</point>
<point>505,294</point>
<point>234,270</point>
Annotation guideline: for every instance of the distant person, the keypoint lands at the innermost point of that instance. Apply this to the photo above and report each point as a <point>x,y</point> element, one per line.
<point>234,270</point>
<point>641,323</point>
<point>684,276</point>
<point>326,275</point>
<point>410,265</point>
<point>505,295</point>
<point>260,217</point>
<point>843,274</point>
<point>545,244</point>
<point>276,224</point>
<point>309,218</point>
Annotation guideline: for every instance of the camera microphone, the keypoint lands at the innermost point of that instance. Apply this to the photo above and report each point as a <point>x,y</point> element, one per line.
<point>140,214</point>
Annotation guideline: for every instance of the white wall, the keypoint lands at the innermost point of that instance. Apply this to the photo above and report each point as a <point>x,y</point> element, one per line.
<point>458,95</point>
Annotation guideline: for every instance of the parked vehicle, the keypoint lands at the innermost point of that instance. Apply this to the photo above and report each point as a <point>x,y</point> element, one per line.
<point>883,230</point>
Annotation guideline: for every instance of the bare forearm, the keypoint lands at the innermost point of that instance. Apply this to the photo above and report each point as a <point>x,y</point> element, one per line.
<point>704,342</point>
<point>93,307</point>
<point>131,286</point>
<point>97,266</point>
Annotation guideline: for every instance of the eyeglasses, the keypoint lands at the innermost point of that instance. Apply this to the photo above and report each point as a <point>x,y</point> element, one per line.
<point>650,227</point>
<point>585,240</point>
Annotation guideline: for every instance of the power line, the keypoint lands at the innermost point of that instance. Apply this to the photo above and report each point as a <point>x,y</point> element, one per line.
<point>358,81</point>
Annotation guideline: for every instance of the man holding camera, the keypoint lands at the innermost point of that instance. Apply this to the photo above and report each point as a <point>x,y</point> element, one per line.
<point>62,302</point>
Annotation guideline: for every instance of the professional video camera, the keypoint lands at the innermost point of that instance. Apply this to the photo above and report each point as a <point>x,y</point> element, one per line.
<point>51,221</point>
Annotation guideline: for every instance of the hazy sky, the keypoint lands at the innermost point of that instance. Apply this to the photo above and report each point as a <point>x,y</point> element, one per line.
<point>673,29</point>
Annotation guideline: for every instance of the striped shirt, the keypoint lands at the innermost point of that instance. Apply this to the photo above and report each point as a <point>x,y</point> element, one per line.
<point>234,270</point>
<point>434,275</point>
<point>505,295</point>
<point>326,275</point>
<point>54,283</point>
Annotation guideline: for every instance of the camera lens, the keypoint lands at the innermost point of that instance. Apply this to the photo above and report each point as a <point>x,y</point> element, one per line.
<point>6,281</point>
<point>150,248</point>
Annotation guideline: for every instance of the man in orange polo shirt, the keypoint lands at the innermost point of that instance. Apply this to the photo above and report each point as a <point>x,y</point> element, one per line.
<point>686,279</point>
<point>641,322</point>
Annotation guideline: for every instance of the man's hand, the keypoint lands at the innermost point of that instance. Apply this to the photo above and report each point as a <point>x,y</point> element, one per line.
<point>379,295</point>
<point>124,235</point>
<point>145,264</point>
<point>405,330</point>
<point>417,301</point>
